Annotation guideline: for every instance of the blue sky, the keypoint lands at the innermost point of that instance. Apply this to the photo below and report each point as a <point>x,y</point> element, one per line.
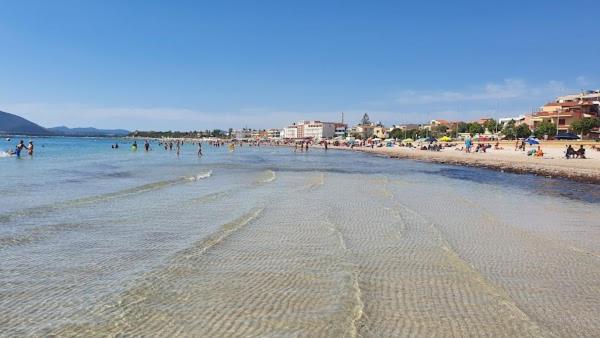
<point>216,64</point>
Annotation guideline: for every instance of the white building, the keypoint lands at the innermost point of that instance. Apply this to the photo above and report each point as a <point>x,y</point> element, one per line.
<point>316,130</point>
<point>588,95</point>
<point>290,132</point>
<point>518,119</point>
<point>274,133</point>
<point>319,130</point>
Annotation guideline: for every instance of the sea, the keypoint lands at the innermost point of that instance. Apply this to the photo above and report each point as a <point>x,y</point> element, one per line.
<point>268,241</point>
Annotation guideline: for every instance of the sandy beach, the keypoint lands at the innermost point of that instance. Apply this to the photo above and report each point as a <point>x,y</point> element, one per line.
<point>553,164</point>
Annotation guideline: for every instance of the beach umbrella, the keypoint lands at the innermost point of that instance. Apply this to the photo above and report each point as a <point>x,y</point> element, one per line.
<point>445,139</point>
<point>532,140</point>
<point>430,139</point>
<point>408,140</point>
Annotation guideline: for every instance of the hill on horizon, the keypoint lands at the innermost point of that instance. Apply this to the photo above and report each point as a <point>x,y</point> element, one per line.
<point>13,124</point>
<point>88,131</point>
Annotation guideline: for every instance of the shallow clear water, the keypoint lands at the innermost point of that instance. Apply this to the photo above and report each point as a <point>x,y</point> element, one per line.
<point>265,241</point>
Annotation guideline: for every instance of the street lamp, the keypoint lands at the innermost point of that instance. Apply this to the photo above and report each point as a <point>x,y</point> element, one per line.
<point>557,119</point>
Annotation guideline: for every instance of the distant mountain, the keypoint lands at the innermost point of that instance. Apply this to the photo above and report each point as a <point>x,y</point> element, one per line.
<point>89,131</point>
<point>13,124</point>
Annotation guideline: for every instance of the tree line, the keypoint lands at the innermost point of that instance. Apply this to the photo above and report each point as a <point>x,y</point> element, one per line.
<point>509,129</point>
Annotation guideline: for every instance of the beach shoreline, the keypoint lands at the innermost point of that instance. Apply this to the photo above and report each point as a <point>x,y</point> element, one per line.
<point>553,165</point>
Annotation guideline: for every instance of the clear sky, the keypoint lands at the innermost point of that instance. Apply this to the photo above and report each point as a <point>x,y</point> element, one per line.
<point>185,65</point>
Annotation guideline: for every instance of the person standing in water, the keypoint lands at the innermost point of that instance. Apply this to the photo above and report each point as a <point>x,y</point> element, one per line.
<point>30,148</point>
<point>146,145</point>
<point>19,148</point>
<point>178,148</point>
<point>199,149</point>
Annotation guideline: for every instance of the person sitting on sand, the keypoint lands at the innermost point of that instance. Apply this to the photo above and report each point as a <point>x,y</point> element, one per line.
<point>570,152</point>
<point>539,152</point>
<point>580,152</point>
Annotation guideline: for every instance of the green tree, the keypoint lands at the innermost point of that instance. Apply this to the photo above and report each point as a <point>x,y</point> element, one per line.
<point>397,133</point>
<point>475,128</point>
<point>508,130</point>
<point>439,130</point>
<point>545,128</point>
<point>490,125</point>
<point>522,131</point>
<point>463,127</point>
<point>584,125</point>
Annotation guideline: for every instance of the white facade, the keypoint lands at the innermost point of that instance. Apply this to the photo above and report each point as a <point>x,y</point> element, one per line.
<point>316,130</point>
<point>274,133</point>
<point>290,132</point>
<point>319,130</point>
<point>590,95</point>
<point>517,119</point>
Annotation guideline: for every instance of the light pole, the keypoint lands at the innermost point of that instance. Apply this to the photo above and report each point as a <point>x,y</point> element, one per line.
<point>557,119</point>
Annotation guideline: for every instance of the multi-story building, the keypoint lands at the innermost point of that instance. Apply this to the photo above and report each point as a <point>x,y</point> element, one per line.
<point>380,131</point>
<point>518,119</point>
<point>316,130</point>
<point>563,113</point>
<point>243,134</point>
<point>274,133</point>
<point>290,131</point>
<point>340,129</point>
<point>588,95</point>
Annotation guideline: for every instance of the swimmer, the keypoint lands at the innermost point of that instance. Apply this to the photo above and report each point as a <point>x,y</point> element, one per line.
<point>30,148</point>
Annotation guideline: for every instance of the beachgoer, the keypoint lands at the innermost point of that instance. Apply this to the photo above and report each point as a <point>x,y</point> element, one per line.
<point>580,152</point>
<point>199,149</point>
<point>468,144</point>
<point>570,152</point>
<point>539,152</point>
<point>19,148</point>
<point>134,146</point>
<point>30,148</point>
<point>146,145</point>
